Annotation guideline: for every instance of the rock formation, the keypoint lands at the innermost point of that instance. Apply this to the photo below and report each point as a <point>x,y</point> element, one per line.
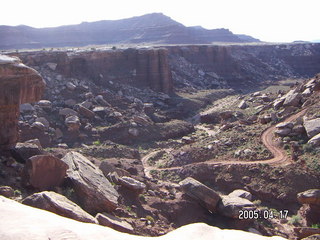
<point>23,222</point>
<point>137,67</point>
<point>58,204</point>
<point>18,84</point>
<point>94,191</point>
<point>200,192</point>
<point>242,66</point>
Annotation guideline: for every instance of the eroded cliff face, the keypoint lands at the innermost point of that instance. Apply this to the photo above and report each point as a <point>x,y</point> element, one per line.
<point>196,66</point>
<point>18,84</point>
<point>137,67</point>
<point>242,66</point>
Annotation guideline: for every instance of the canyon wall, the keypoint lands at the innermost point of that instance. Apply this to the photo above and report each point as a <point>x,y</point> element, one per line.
<point>18,84</point>
<point>137,67</point>
<point>197,66</point>
<point>242,66</point>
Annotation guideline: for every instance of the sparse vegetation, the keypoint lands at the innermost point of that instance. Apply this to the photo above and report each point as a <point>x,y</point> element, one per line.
<point>295,220</point>
<point>17,193</point>
<point>257,202</point>
<point>150,219</point>
<point>97,143</point>
<point>317,225</point>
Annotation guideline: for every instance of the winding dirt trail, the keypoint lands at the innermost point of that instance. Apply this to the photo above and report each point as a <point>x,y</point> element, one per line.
<point>280,157</point>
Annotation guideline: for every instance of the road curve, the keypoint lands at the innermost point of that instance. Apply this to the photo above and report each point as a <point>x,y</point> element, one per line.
<point>280,157</point>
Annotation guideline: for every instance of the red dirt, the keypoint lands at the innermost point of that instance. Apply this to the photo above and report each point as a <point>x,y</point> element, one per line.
<point>279,155</point>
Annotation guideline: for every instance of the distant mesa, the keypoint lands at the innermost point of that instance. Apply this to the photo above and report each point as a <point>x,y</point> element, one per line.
<point>154,28</point>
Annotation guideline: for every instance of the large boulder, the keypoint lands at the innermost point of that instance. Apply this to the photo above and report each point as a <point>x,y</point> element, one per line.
<point>114,223</point>
<point>278,103</point>
<point>132,184</point>
<point>292,98</point>
<point>6,191</point>
<point>58,204</point>
<point>18,84</point>
<point>230,206</point>
<point>312,126</point>
<point>315,141</point>
<point>23,151</point>
<point>44,171</point>
<point>21,222</point>
<point>209,116</point>
<point>283,132</point>
<point>95,192</point>
<point>73,123</point>
<point>311,196</point>
<point>243,104</point>
<point>241,193</point>
<point>200,192</point>
<point>86,112</point>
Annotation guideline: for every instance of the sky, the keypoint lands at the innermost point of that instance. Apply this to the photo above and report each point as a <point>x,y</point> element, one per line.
<point>267,20</point>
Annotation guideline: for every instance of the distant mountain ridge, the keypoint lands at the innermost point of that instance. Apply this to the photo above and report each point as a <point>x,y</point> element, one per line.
<point>153,28</point>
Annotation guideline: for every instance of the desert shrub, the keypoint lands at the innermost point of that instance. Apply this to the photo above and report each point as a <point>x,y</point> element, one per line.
<point>315,225</point>
<point>150,219</point>
<point>295,219</point>
<point>307,148</point>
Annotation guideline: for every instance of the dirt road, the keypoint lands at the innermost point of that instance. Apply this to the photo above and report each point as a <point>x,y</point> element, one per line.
<point>279,155</point>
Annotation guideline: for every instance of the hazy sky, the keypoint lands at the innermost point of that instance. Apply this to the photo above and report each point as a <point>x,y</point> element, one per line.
<point>268,20</point>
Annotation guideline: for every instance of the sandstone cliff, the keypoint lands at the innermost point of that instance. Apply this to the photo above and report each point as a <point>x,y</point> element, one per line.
<point>18,84</point>
<point>137,67</point>
<point>198,66</point>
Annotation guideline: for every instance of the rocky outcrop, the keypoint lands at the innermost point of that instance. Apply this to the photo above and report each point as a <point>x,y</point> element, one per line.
<point>18,84</point>
<point>60,205</point>
<point>200,192</point>
<point>310,211</point>
<point>95,192</point>
<point>23,222</point>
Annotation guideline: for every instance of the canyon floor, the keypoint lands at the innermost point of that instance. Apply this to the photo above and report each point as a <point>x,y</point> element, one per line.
<point>248,149</point>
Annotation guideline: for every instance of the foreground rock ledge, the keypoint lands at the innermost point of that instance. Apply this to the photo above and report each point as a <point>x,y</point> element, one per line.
<point>23,222</point>
<point>18,84</point>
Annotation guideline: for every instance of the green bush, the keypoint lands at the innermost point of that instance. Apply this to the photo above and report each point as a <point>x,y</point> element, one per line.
<point>315,225</point>
<point>150,219</point>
